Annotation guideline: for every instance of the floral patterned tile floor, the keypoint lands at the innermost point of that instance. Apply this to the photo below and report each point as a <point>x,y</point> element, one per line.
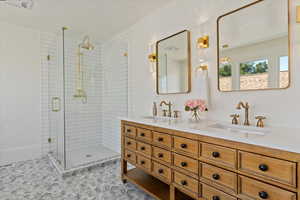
<point>38,180</point>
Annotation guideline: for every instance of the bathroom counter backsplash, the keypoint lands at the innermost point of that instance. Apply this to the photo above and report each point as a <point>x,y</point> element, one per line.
<point>281,138</point>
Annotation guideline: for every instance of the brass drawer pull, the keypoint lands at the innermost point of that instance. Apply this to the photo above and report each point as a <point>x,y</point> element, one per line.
<point>263,167</point>
<point>215,198</point>
<point>160,155</point>
<point>263,195</point>
<point>143,148</point>
<point>184,146</point>
<point>160,171</point>
<point>216,154</point>
<point>160,139</point>
<point>184,183</point>
<point>184,164</point>
<point>216,176</point>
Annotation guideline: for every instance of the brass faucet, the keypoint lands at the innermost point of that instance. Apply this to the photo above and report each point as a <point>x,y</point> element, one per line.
<point>169,107</point>
<point>246,107</point>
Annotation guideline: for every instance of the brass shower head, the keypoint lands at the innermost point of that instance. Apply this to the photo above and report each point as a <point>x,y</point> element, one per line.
<point>86,44</point>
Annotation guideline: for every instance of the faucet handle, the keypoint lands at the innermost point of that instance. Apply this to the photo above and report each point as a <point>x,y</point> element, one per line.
<point>235,118</point>
<point>176,113</point>
<point>260,121</point>
<point>165,112</point>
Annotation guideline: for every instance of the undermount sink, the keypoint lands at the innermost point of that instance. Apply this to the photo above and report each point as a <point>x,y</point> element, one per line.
<point>240,129</point>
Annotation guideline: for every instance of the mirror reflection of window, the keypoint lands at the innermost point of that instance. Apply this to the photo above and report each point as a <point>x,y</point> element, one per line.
<point>254,75</point>
<point>284,71</point>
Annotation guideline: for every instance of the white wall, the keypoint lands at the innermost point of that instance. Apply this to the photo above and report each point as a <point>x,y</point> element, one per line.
<point>20,94</point>
<point>199,16</point>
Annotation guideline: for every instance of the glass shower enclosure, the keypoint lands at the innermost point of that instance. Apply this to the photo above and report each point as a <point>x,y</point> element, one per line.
<point>75,92</point>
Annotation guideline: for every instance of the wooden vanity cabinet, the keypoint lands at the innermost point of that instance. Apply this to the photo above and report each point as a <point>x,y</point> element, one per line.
<point>205,168</point>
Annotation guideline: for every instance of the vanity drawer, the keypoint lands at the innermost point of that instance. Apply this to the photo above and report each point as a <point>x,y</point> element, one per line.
<point>186,182</point>
<point>271,168</point>
<point>130,156</point>
<point>186,145</point>
<point>186,163</point>
<point>162,154</point>
<point>219,155</point>
<point>130,131</point>
<point>144,148</point>
<point>220,176</point>
<point>210,193</point>
<point>130,144</point>
<point>253,189</point>
<point>162,171</point>
<point>144,134</point>
<point>162,139</point>
<point>144,162</point>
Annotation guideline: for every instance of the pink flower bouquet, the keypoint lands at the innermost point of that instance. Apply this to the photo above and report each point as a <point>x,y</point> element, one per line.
<point>195,106</point>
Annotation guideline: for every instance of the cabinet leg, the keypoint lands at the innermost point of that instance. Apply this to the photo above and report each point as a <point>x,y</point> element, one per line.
<point>172,192</point>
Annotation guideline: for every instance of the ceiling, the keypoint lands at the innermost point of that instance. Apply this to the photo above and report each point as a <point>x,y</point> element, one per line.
<point>99,18</point>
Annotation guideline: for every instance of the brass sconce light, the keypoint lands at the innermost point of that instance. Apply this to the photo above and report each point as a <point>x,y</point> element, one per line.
<point>152,57</point>
<point>298,14</point>
<point>203,42</point>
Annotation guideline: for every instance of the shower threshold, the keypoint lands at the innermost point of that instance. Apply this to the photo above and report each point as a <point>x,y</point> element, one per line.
<point>84,158</point>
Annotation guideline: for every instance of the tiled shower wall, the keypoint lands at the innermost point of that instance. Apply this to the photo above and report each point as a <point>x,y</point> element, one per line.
<point>83,120</point>
<point>106,85</point>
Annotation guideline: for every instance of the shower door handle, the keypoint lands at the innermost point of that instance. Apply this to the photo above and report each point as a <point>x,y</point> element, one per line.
<point>56,104</point>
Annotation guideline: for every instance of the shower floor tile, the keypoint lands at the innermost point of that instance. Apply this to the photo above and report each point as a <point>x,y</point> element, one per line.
<point>89,155</point>
<point>38,180</point>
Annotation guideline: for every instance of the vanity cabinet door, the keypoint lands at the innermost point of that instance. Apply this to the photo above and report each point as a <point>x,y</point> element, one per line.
<point>162,171</point>
<point>186,163</point>
<point>219,155</point>
<point>130,144</point>
<point>144,162</point>
<point>186,182</point>
<point>220,176</point>
<point>252,189</point>
<point>144,148</point>
<point>271,168</point>
<point>162,155</point>
<point>210,193</point>
<point>186,145</point>
<point>162,139</point>
<point>130,131</point>
<point>130,156</point>
<point>144,134</point>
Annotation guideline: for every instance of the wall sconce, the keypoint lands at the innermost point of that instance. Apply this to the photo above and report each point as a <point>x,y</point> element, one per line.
<point>298,14</point>
<point>152,57</point>
<point>203,42</point>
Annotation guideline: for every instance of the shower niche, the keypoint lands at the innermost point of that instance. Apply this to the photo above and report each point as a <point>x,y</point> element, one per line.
<point>76,88</point>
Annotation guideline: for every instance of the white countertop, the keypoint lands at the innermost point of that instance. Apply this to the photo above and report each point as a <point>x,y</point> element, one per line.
<point>287,139</point>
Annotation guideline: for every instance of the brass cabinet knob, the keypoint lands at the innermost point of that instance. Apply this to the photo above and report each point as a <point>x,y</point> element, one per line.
<point>260,121</point>
<point>235,119</point>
